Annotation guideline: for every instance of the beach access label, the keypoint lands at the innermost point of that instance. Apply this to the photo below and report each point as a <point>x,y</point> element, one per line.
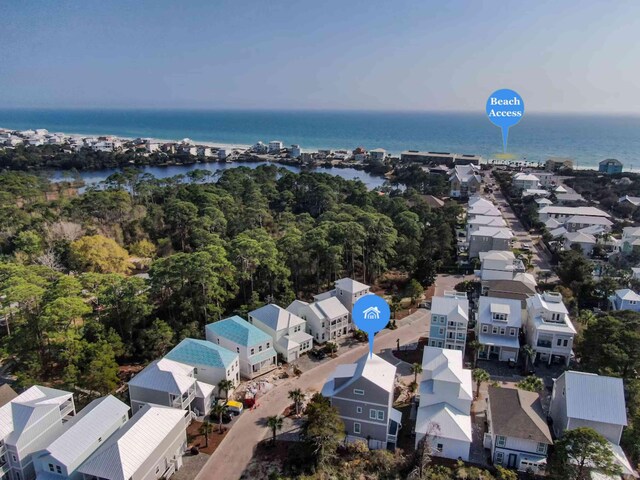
<point>371,314</point>
<point>505,108</point>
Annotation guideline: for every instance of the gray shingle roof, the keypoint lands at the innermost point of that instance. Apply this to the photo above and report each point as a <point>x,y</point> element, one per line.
<point>518,414</point>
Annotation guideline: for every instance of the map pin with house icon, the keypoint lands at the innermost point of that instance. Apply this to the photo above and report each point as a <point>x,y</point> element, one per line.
<point>371,314</point>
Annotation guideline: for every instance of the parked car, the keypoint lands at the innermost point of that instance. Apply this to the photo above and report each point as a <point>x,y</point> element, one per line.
<point>426,305</point>
<point>234,407</point>
<point>318,353</point>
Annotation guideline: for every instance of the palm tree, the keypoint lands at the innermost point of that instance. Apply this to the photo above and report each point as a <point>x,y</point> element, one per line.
<point>219,410</point>
<point>205,429</point>
<point>475,347</point>
<point>529,356</point>
<point>298,397</point>
<point>480,375</point>
<point>331,347</point>
<point>225,385</point>
<point>274,423</point>
<point>416,369</point>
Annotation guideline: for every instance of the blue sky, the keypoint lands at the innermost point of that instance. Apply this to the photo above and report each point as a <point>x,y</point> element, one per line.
<point>567,56</point>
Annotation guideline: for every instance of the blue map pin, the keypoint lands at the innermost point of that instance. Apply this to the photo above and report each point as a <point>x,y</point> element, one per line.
<point>505,108</point>
<point>371,314</point>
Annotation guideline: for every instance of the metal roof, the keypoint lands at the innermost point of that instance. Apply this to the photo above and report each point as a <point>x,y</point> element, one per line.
<point>165,375</point>
<point>202,352</point>
<point>275,317</point>
<point>120,457</point>
<point>375,369</point>
<point>350,285</point>
<point>83,432</point>
<point>238,331</point>
<point>605,397</point>
<point>452,423</point>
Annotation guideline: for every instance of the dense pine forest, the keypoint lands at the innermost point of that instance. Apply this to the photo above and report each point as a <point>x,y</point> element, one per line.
<point>209,245</point>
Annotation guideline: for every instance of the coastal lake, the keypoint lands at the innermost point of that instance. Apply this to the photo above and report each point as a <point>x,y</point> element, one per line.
<point>93,177</point>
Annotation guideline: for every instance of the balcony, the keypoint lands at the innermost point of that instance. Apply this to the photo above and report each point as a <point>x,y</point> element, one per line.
<point>544,343</point>
<point>67,408</point>
<point>185,400</point>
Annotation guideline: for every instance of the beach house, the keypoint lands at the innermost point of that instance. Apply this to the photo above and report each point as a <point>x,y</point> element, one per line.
<point>363,394</point>
<point>287,330</point>
<point>485,239</point>
<point>254,347</point>
<point>625,299</point>
<point>610,166</point>
<point>499,265</point>
<point>28,424</point>
<point>449,320</point>
<point>548,327</point>
<point>498,328</point>
<point>211,362</point>
<point>172,384</point>
<point>444,409</point>
<point>525,181</point>
<point>347,290</point>
<point>82,436</point>
<point>326,319</point>
<point>517,430</point>
<point>149,446</point>
<point>465,180</point>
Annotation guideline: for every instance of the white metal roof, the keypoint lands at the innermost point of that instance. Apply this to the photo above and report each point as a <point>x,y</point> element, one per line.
<point>594,397</point>
<point>451,423</point>
<point>276,317</point>
<point>165,375</point>
<point>350,285</point>
<point>82,432</point>
<point>489,305</point>
<point>375,369</point>
<point>584,211</point>
<point>445,365</point>
<point>628,294</point>
<point>120,457</point>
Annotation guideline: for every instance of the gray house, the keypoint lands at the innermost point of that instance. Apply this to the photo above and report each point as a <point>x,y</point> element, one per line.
<point>363,394</point>
<point>485,239</point>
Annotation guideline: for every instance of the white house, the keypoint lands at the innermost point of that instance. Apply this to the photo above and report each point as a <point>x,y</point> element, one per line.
<point>449,321</point>
<point>444,411</point>
<point>630,239</point>
<point>562,214</point>
<point>253,346</point>
<point>548,327</point>
<point>287,330</point>
<point>148,447</point>
<point>223,153</point>
<point>585,241</point>
<point>347,290</point>
<point>479,206</point>
<point>625,299</point>
<point>82,436</point>
<point>525,181</point>
<point>485,221</point>
<point>295,151</point>
<point>517,429</point>
<point>581,399</point>
<point>499,265</point>
<point>29,423</point>
<point>212,362</point>
<point>498,328</point>
<point>465,181</point>
<point>378,154</point>
<point>363,394</point>
<point>326,319</point>
<point>275,147</point>
<point>171,384</point>
<point>579,222</point>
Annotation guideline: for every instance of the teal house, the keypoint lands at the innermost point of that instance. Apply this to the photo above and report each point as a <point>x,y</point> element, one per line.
<point>609,166</point>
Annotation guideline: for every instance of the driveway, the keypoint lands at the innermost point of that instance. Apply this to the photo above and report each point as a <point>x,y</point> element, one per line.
<point>446,282</point>
<point>233,455</point>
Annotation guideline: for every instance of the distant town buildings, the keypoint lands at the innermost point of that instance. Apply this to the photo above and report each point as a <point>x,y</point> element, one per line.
<point>610,166</point>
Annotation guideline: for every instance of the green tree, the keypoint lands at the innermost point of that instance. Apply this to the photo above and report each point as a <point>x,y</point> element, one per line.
<point>505,474</point>
<point>331,348</point>
<point>297,396</point>
<point>531,384</point>
<point>414,290</point>
<point>205,429</point>
<point>416,369</point>
<point>102,370</point>
<point>474,347</point>
<point>580,450</point>
<point>156,340</point>
<point>218,411</point>
<point>479,375</point>
<point>323,430</point>
<point>274,422</point>
<point>225,386</point>
<point>529,356</point>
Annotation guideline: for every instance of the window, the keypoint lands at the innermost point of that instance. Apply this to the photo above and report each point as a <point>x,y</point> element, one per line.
<point>439,447</point>
<point>358,409</point>
<point>58,469</point>
<point>195,371</point>
<point>494,330</point>
<point>501,441</point>
<point>237,349</point>
<point>499,457</point>
<point>51,469</point>
<point>565,343</point>
<point>268,344</point>
<point>441,331</point>
<point>372,414</point>
<point>357,391</point>
<point>542,448</point>
<point>260,348</point>
<point>559,342</point>
<point>485,328</point>
<point>440,344</point>
<point>512,332</point>
<point>381,415</point>
<point>253,350</point>
<point>356,427</point>
<point>503,331</point>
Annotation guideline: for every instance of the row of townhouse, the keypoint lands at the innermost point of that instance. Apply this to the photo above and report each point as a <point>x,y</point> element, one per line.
<point>235,348</point>
<point>465,181</point>
<point>42,437</point>
<point>486,228</point>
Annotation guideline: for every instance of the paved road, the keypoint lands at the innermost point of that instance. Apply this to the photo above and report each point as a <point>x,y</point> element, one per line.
<point>236,450</point>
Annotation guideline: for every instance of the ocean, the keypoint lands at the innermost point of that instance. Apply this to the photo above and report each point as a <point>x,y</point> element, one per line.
<point>585,138</point>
